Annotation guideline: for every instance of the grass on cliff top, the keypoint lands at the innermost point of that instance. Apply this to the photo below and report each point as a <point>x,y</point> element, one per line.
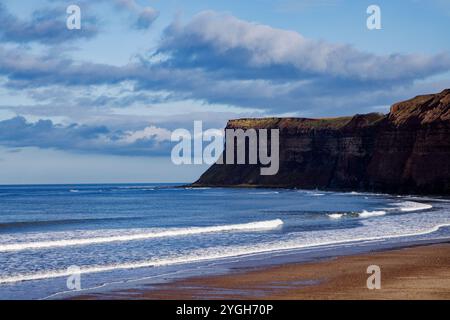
<point>332,123</point>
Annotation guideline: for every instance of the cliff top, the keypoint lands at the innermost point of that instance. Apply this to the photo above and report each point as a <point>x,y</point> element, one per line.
<point>422,109</point>
<point>280,123</point>
<point>305,123</point>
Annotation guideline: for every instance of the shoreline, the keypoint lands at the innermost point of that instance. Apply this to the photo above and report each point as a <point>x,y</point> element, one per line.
<point>416,272</point>
<point>445,196</point>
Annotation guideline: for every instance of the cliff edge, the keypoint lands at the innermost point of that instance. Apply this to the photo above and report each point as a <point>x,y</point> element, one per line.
<point>405,151</point>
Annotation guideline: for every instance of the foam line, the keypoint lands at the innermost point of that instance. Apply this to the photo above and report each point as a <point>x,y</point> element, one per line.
<point>252,226</point>
<point>368,214</point>
<point>409,206</point>
<point>228,253</point>
<point>335,215</point>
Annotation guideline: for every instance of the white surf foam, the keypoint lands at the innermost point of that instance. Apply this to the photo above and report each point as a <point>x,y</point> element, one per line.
<point>252,226</point>
<point>212,254</point>
<point>335,215</point>
<point>409,206</point>
<point>137,187</point>
<point>265,192</point>
<point>368,214</point>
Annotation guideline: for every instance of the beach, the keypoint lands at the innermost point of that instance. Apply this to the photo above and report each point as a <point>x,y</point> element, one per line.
<point>209,242</point>
<point>420,272</point>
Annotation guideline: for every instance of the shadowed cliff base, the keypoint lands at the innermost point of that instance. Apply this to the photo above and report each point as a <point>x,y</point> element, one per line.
<point>405,152</point>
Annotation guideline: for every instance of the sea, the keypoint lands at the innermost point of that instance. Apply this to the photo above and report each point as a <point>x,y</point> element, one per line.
<point>60,241</point>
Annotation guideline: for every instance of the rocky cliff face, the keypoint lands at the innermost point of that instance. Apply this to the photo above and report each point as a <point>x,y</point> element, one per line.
<point>406,151</point>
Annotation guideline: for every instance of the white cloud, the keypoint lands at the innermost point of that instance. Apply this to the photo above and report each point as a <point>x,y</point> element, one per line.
<point>214,40</point>
<point>152,132</point>
<point>145,15</point>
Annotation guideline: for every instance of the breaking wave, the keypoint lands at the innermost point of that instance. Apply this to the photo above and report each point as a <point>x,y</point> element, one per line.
<point>176,232</point>
<point>207,255</point>
<point>409,206</point>
<point>368,214</point>
<point>335,215</point>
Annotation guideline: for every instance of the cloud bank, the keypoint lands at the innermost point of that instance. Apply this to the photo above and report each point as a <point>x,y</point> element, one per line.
<point>214,58</point>
<point>232,61</point>
<point>19,133</point>
<point>46,26</point>
<point>216,41</point>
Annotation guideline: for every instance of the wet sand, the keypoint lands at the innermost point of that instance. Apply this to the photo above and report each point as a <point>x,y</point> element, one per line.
<point>411,273</point>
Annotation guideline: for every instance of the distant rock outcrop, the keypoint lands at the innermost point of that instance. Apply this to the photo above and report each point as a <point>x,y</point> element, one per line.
<point>405,151</point>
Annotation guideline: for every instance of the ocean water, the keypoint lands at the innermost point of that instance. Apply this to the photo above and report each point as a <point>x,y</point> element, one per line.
<point>119,235</point>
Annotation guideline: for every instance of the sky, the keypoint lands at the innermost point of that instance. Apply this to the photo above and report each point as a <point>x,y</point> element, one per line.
<point>98,104</point>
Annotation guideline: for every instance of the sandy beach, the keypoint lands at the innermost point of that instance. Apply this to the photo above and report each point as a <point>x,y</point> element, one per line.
<point>421,272</point>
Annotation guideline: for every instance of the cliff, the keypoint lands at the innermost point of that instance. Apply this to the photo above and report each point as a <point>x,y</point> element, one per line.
<point>405,151</point>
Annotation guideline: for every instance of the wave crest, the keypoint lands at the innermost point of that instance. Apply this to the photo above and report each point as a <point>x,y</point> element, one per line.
<point>409,206</point>
<point>252,226</point>
<point>368,214</point>
<point>200,256</point>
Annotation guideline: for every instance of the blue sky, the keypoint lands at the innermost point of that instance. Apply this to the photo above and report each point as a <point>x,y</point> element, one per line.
<point>98,104</point>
